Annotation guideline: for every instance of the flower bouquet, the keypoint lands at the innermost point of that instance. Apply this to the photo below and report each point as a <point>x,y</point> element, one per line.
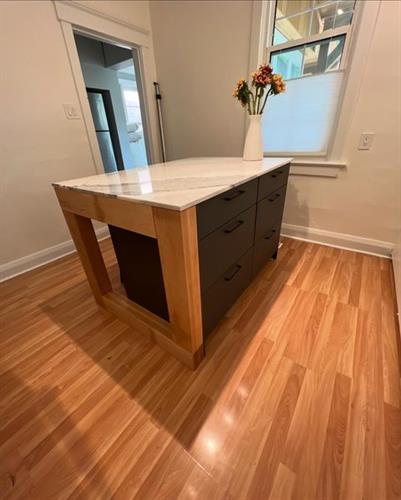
<point>254,96</point>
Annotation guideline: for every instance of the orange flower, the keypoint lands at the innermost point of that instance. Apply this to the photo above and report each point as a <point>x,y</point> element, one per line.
<point>278,84</point>
<point>241,92</point>
<point>254,95</point>
<point>262,76</point>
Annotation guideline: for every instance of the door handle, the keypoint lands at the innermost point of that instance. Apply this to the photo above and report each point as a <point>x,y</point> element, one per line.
<point>235,271</point>
<point>234,195</point>
<point>235,226</point>
<point>276,196</point>
<point>277,174</point>
<point>267,237</point>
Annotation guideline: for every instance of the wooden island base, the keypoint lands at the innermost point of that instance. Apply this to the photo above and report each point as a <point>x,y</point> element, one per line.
<point>176,235</point>
<point>189,238</point>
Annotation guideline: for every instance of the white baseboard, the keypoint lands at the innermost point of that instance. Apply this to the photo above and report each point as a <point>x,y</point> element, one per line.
<point>37,259</point>
<point>397,278</point>
<point>320,236</point>
<point>338,240</point>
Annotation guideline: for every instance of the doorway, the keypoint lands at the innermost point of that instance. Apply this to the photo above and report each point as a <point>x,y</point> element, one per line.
<point>113,85</point>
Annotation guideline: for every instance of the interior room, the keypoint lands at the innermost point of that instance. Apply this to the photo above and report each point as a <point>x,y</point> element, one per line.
<point>200,262</point>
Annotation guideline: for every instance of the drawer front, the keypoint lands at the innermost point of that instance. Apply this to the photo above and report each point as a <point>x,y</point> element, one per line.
<point>272,181</point>
<point>214,212</point>
<point>224,292</point>
<point>223,247</point>
<point>265,248</point>
<point>270,212</point>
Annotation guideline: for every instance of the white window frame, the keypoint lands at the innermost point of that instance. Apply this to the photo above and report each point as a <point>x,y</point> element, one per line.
<point>327,34</point>
<point>266,48</point>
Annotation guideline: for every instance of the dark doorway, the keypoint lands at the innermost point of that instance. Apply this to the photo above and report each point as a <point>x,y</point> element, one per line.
<point>115,94</point>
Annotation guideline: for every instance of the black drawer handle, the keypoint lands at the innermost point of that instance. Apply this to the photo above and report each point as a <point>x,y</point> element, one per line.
<point>235,226</point>
<point>276,174</point>
<point>269,235</point>
<point>234,195</point>
<point>276,196</point>
<point>237,268</point>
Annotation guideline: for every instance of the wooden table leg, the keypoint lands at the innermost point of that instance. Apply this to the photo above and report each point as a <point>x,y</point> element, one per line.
<point>85,240</point>
<point>178,246</point>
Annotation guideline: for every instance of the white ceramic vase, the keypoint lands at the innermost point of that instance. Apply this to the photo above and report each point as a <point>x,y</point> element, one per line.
<point>253,148</point>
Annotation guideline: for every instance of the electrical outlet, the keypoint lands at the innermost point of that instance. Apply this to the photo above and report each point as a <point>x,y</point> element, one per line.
<point>71,112</point>
<point>366,140</point>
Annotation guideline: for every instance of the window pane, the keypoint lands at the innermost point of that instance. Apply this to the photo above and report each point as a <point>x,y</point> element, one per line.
<point>323,15</point>
<point>345,10</point>
<point>331,15</point>
<point>301,119</point>
<point>293,28</point>
<point>278,37</point>
<point>323,56</point>
<point>345,6</point>
<point>319,3</point>
<point>291,7</point>
<point>288,63</point>
<point>323,19</point>
<point>309,59</point>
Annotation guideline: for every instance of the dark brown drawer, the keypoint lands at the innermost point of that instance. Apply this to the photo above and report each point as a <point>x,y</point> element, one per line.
<point>265,248</point>
<point>220,249</point>
<point>218,210</point>
<point>224,292</point>
<point>272,181</point>
<point>270,212</point>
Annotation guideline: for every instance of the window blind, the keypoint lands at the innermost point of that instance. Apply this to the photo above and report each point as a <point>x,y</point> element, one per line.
<point>301,119</point>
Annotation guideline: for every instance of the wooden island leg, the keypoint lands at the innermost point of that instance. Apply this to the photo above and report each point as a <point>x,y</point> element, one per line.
<point>178,246</point>
<point>83,234</point>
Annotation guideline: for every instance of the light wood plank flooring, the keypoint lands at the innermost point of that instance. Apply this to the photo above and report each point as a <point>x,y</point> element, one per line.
<point>298,396</point>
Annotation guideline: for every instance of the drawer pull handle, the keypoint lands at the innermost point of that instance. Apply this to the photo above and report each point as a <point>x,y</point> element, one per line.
<point>235,226</point>
<point>277,195</point>
<point>231,276</point>
<point>270,235</point>
<point>277,174</point>
<point>234,195</point>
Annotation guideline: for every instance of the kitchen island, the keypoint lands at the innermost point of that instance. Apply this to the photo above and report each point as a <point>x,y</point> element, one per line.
<point>189,236</point>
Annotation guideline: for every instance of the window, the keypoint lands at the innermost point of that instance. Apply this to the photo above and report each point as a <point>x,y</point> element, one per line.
<point>307,42</point>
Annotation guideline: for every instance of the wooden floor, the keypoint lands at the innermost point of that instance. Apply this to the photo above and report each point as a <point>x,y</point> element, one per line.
<point>298,396</point>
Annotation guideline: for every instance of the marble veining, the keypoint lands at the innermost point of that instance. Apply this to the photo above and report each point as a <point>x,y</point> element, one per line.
<point>178,184</point>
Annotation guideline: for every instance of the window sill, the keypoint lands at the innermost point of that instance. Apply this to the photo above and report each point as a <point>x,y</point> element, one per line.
<point>316,163</point>
<point>310,163</point>
<point>316,168</point>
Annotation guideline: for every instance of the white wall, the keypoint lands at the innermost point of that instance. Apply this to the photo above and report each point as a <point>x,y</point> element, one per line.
<point>202,48</point>
<point>38,144</point>
<point>132,11</point>
<point>365,199</point>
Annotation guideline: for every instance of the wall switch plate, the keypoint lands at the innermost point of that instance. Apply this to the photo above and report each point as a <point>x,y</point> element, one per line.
<point>366,140</point>
<point>71,112</point>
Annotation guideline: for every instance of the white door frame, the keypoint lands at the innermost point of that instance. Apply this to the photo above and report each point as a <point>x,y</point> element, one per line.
<point>75,17</point>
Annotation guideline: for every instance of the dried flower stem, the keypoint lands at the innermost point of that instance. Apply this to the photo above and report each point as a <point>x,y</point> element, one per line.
<point>264,103</point>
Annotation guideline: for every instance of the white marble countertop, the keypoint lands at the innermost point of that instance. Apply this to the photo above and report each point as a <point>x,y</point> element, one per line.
<point>176,185</point>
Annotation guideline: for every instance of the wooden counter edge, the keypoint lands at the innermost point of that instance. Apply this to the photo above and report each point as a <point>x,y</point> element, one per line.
<point>133,216</point>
